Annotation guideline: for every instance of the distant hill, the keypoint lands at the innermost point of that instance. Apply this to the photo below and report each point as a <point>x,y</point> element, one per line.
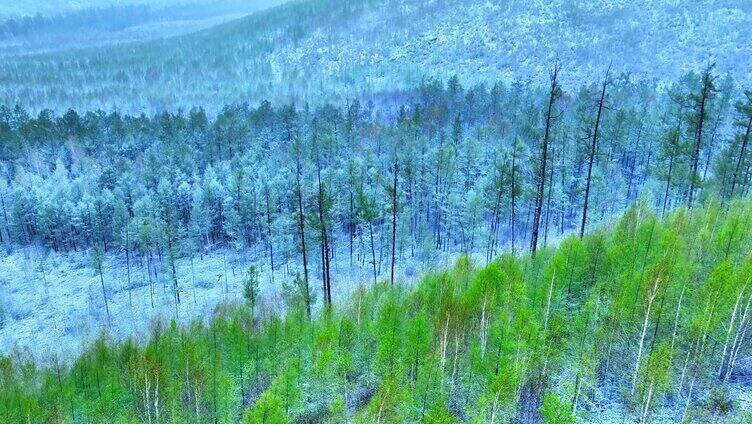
<point>20,9</point>
<point>41,30</point>
<point>313,50</point>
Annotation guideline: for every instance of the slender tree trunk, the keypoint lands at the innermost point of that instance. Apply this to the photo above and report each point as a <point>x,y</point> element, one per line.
<point>513,195</point>
<point>494,234</point>
<point>301,228</point>
<point>373,250</point>
<point>394,219</point>
<point>548,200</point>
<point>591,155</point>
<point>269,234</point>
<point>706,88</point>
<point>128,264</point>
<point>740,159</point>
<point>738,339</point>
<point>104,291</point>
<point>351,226</point>
<point>651,298</point>
<point>5,217</point>
<point>553,95</point>
<point>324,244</point>
<point>148,276</point>
<point>644,418</point>
<point>722,368</point>
<point>175,287</point>
<point>668,184</point>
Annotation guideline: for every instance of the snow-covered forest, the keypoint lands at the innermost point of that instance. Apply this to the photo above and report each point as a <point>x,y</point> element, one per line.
<point>319,51</point>
<point>247,224</point>
<point>28,27</point>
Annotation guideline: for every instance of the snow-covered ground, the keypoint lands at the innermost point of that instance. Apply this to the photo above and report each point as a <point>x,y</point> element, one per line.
<point>52,304</point>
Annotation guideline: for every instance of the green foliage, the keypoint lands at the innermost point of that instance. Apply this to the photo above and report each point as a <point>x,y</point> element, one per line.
<point>473,343</point>
<point>440,414</point>
<point>269,409</point>
<point>251,286</point>
<point>556,411</point>
<point>298,296</point>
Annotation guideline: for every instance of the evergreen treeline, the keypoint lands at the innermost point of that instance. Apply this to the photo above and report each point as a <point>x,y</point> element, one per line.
<point>650,314</point>
<point>478,170</point>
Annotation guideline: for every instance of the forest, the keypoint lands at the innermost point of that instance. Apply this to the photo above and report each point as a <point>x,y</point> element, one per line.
<point>332,51</point>
<point>472,170</point>
<point>70,25</point>
<point>651,313</point>
<point>600,239</point>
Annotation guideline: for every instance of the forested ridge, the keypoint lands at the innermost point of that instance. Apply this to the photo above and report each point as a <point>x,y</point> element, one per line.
<point>648,314</point>
<point>320,51</point>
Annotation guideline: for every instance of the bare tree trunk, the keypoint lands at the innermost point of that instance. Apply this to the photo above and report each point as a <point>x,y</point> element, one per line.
<point>269,234</point>
<point>591,155</point>
<point>128,264</point>
<point>548,200</point>
<point>651,298</point>
<point>394,219</point>
<point>104,292</point>
<point>513,194</point>
<point>553,95</point>
<point>668,184</point>
<point>373,250</point>
<point>707,82</point>
<point>739,160</point>
<point>324,242</point>
<point>738,339</point>
<point>5,217</point>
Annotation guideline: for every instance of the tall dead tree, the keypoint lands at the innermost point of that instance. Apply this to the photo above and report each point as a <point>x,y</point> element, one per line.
<point>513,194</point>
<point>554,94</point>
<point>394,216</point>
<point>701,100</point>
<point>591,153</point>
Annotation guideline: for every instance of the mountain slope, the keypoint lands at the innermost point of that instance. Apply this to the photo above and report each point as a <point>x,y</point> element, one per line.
<point>314,49</point>
<point>47,8</point>
<point>70,27</point>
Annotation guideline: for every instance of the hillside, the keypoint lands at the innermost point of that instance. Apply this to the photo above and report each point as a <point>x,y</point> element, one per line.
<point>644,321</point>
<point>49,27</point>
<point>312,50</point>
<point>51,8</point>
